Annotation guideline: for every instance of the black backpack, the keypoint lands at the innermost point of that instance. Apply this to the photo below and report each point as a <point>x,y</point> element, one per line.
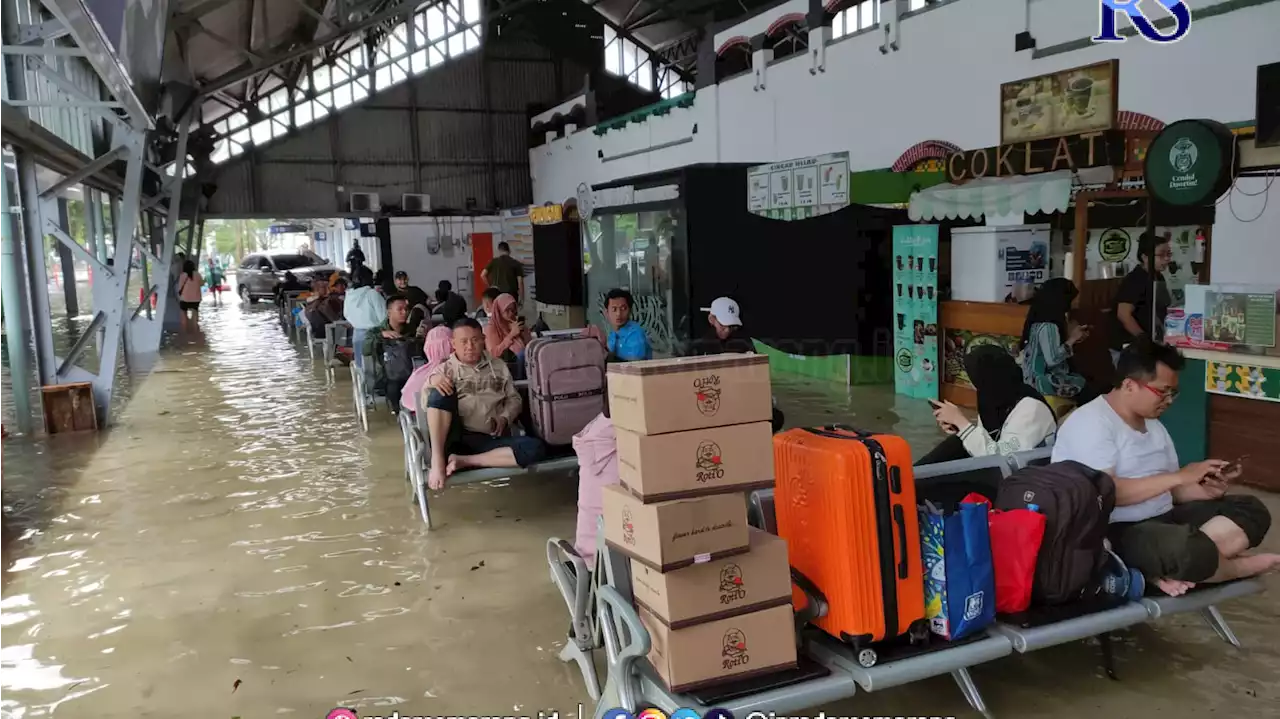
<point>1076,501</point>
<point>397,359</point>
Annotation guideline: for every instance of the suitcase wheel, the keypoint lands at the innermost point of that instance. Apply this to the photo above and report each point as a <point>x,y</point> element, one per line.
<point>867,658</point>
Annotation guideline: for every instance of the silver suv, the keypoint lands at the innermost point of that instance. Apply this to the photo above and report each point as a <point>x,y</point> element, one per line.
<point>259,273</point>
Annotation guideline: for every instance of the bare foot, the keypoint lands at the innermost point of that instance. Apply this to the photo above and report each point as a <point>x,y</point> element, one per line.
<point>1174,587</point>
<point>1255,564</point>
<point>435,478</point>
<point>452,466</point>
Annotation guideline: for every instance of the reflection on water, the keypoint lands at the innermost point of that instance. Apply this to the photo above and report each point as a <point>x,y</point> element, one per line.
<point>237,545</point>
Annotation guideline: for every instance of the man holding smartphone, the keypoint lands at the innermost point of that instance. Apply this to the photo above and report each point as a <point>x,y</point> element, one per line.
<point>1176,525</point>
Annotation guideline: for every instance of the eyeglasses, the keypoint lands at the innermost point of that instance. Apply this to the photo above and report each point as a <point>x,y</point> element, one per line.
<point>1168,394</point>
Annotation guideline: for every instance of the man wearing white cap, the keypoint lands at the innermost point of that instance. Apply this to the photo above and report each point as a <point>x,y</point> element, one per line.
<point>725,318</point>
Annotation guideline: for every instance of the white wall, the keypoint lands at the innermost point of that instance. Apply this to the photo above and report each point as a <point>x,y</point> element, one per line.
<point>942,84</point>
<point>410,240</point>
<point>1246,234</point>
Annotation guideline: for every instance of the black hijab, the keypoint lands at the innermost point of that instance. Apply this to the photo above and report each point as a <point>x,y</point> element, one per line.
<point>1051,304</point>
<point>998,380</point>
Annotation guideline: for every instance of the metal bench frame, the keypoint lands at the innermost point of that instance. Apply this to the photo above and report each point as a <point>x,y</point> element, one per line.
<point>417,462</point>
<point>632,684</point>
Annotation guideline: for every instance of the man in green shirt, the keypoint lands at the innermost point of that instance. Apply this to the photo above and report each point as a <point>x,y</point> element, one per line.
<point>506,273</point>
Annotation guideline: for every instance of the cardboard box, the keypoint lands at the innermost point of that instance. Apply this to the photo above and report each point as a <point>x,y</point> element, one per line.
<point>727,587</point>
<point>670,535</point>
<point>684,393</point>
<point>677,465</point>
<point>724,650</point>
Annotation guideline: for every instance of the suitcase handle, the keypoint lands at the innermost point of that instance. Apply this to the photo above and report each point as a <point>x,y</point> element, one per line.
<point>816,605</point>
<point>831,430</point>
<point>900,517</point>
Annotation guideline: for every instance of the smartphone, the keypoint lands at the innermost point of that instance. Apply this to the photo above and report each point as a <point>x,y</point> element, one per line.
<point>935,403</point>
<point>1234,466</point>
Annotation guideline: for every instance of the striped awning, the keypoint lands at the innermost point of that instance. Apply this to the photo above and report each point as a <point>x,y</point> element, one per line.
<point>1049,192</point>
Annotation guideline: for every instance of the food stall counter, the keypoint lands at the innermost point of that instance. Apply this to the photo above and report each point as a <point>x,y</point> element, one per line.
<point>1228,407</point>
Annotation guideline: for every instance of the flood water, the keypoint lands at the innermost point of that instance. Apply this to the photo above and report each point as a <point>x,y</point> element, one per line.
<point>237,547</point>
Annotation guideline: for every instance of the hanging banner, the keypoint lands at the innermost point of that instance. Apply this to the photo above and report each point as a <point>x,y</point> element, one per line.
<point>915,310</point>
<point>799,189</point>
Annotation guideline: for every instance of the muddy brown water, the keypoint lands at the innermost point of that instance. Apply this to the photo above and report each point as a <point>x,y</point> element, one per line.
<point>237,547</point>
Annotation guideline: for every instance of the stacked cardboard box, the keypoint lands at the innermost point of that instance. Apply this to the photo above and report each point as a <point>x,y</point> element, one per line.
<point>693,436</point>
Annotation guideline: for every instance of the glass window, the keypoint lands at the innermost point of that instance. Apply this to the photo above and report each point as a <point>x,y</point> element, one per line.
<point>457,45</point>
<point>418,62</point>
<point>342,97</point>
<point>436,54</point>
<point>435,23</point>
<point>471,10</point>
<point>633,251</point>
<point>320,76</point>
<point>916,4</point>
<point>868,12</point>
<point>473,39</point>
<point>302,114</point>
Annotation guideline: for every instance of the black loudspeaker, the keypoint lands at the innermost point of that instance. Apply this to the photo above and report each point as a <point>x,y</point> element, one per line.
<point>1268,112</point>
<point>557,264</point>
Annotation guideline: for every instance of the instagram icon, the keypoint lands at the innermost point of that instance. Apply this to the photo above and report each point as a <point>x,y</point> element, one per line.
<point>341,713</point>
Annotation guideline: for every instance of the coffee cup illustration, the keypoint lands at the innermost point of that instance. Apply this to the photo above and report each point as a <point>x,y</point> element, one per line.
<point>920,291</point>
<point>902,321</point>
<point>919,264</point>
<point>1080,93</point>
<point>899,289</point>
<point>930,291</point>
<point>899,259</point>
<point>933,264</point>
<point>911,291</point>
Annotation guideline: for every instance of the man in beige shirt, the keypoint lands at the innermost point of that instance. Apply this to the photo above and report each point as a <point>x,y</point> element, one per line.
<point>471,407</point>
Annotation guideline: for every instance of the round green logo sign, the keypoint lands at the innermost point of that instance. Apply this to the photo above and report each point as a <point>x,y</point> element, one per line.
<point>1113,245</point>
<point>1190,162</point>
<point>904,359</point>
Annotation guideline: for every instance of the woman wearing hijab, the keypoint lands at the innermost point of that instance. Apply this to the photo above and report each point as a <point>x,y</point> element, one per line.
<point>1012,416</point>
<point>1048,342</point>
<point>437,347</point>
<point>505,336</point>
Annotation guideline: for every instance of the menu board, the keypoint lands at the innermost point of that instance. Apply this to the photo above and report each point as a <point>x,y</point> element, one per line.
<point>1240,318</point>
<point>799,189</point>
<point>915,310</point>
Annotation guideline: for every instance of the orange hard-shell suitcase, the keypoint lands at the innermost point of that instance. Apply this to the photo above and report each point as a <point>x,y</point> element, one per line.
<point>846,504</point>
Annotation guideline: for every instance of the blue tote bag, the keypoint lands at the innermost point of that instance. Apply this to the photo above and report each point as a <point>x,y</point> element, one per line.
<point>960,584</point>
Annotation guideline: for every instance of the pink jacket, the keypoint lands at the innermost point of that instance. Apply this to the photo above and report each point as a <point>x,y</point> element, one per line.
<point>597,449</point>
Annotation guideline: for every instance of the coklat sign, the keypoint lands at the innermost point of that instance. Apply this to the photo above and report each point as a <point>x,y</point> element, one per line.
<point>1070,152</point>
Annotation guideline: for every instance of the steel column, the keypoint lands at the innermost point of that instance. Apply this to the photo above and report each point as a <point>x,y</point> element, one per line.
<point>17,326</point>
<point>37,273</point>
<point>145,332</point>
<point>116,310</point>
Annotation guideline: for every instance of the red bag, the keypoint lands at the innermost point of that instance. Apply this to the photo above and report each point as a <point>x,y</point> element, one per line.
<point>1015,543</point>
